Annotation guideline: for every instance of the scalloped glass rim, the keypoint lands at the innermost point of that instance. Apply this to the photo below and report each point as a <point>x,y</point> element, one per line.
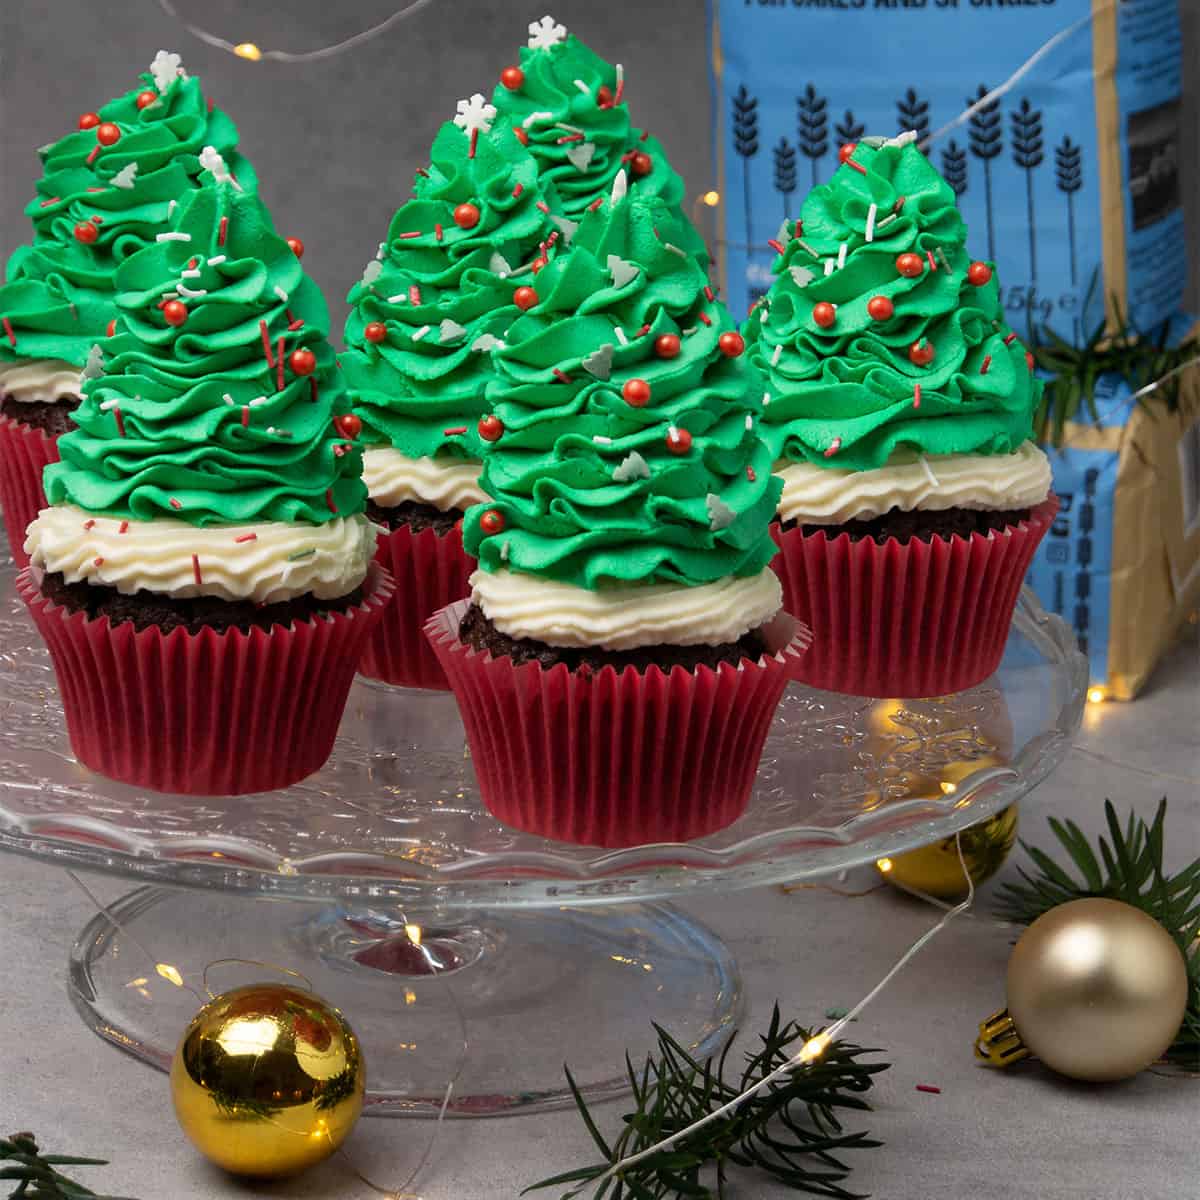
<point>77,819</point>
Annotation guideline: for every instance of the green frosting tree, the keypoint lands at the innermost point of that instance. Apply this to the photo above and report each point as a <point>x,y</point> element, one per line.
<point>106,190</point>
<point>627,448</point>
<point>880,332</point>
<point>218,401</point>
<point>441,293</point>
<point>568,106</point>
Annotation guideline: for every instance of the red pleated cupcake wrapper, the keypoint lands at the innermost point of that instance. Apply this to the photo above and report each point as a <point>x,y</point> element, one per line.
<point>608,759</point>
<point>215,714</point>
<point>24,452</point>
<point>906,619</point>
<point>431,570</point>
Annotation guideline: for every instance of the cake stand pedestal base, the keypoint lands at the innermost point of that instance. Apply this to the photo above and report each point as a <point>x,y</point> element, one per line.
<point>536,988</point>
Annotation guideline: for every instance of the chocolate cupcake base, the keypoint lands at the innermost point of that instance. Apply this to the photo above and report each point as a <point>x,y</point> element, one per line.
<point>920,523</point>
<point>148,610</point>
<point>480,633</point>
<point>52,417</point>
<point>414,516</point>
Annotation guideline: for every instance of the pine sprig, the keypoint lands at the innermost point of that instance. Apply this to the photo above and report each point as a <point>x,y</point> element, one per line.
<point>1129,868</point>
<point>790,1131</point>
<point>36,1174</point>
<point>1137,358</point>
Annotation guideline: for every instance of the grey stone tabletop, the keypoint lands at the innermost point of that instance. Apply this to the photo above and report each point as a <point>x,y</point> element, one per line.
<point>1020,1134</point>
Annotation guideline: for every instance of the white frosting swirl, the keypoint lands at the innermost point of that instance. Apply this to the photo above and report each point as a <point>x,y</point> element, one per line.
<point>39,380</point>
<point>623,618</point>
<point>266,563</point>
<point>827,496</point>
<point>446,483</point>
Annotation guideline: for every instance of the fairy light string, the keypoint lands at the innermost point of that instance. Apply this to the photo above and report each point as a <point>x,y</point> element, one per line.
<point>251,52</point>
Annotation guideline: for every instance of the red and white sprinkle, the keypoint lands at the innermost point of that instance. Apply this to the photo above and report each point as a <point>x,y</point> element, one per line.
<point>216,260</point>
<point>829,265</point>
<point>1012,337</point>
<point>776,354</point>
<point>196,570</point>
<point>124,527</point>
<point>871,213</point>
<point>517,190</point>
<point>836,445</point>
<point>536,116</point>
<point>330,501</point>
<point>408,236</point>
<point>281,293</point>
<point>619,333</point>
<point>266,343</point>
<point>983,366</point>
<point>932,264</point>
<point>246,537</point>
<point>173,236</point>
<point>398,298</point>
<point>97,562</point>
<point>561,376</point>
<point>420,333</point>
<point>8,332</point>
<point>89,524</point>
<point>750,475</point>
<point>175,503</point>
<point>916,395</point>
<point>222,229</point>
<point>766,400</point>
<point>454,431</point>
<point>807,248</point>
<point>841,260</point>
<point>857,166</point>
<point>601,440</point>
<point>414,294</point>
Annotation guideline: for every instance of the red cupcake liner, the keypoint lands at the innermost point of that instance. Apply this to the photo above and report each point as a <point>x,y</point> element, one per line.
<point>24,452</point>
<point>608,759</point>
<point>906,619</point>
<point>431,570</point>
<point>213,714</point>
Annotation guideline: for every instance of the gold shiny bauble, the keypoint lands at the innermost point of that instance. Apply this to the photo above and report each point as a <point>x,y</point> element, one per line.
<point>1097,989</point>
<point>267,1080</point>
<point>935,869</point>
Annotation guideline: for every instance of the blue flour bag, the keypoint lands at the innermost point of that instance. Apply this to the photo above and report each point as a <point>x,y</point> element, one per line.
<point>1069,181</point>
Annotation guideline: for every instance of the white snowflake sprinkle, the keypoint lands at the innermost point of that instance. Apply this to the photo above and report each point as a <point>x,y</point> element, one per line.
<point>125,176</point>
<point>212,162</point>
<point>720,515</point>
<point>546,33</point>
<point>633,467</point>
<point>475,115</point>
<point>166,68</point>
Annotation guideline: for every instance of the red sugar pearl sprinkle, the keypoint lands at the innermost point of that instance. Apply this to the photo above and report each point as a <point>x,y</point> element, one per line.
<point>89,120</point>
<point>348,425</point>
<point>512,78</point>
<point>108,134</point>
<point>979,273</point>
<point>921,353</point>
<point>376,331</point>
<point>175,312</point>
<point>145,99</point>
<point>731,344</point>
<point>466,216</point>
<point>302,361</point>
<point>667,345</point>
<point>824,314</point>
<point>492,521</point>
<point>636,393</point>
<point>846,151</point>
<point>910,265</point>
<point>641,163</point>
<point>880,308</point>
<point>296,246</point>
<point>491,428</point>
<point>525,298</point>
<point>679,441</point>
<point>86,233</point>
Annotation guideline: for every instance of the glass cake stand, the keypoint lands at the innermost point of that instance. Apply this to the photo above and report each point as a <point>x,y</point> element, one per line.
<point>384,881</point>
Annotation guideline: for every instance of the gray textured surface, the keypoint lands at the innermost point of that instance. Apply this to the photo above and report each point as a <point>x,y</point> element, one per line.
<point>1007,1137</point>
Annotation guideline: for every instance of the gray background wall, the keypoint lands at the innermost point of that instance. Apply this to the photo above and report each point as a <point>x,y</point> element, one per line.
<point>335,143</point>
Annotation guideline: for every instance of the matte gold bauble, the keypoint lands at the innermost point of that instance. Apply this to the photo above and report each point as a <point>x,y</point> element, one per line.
<point>268,1080</point>
<point>935,869</point>
<point>1096,989</point>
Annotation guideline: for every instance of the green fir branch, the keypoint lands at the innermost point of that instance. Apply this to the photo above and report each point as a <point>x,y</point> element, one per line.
<point>36,1174</point>
<point>1128,867</point>
<point>789,1132</point>
<point>1136,357</point>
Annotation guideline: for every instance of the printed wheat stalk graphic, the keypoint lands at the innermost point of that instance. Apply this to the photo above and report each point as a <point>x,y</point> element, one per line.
<point>848,129</point>
<point>785,173</point>
<point>986,139</point>
<point>745,145</point>
<point>913,113</point>
<point>1068,175</point>
<point>1027,154</point>
<point>954,167</point>
<point>812,127</point>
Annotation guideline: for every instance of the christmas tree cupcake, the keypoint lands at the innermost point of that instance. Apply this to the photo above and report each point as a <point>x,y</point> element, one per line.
<point>203,572</point>
<point>449,281</point>
<point>899,410</point>
<point>568,106</point>
<point>623,649</point>
<point>105,192</point>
